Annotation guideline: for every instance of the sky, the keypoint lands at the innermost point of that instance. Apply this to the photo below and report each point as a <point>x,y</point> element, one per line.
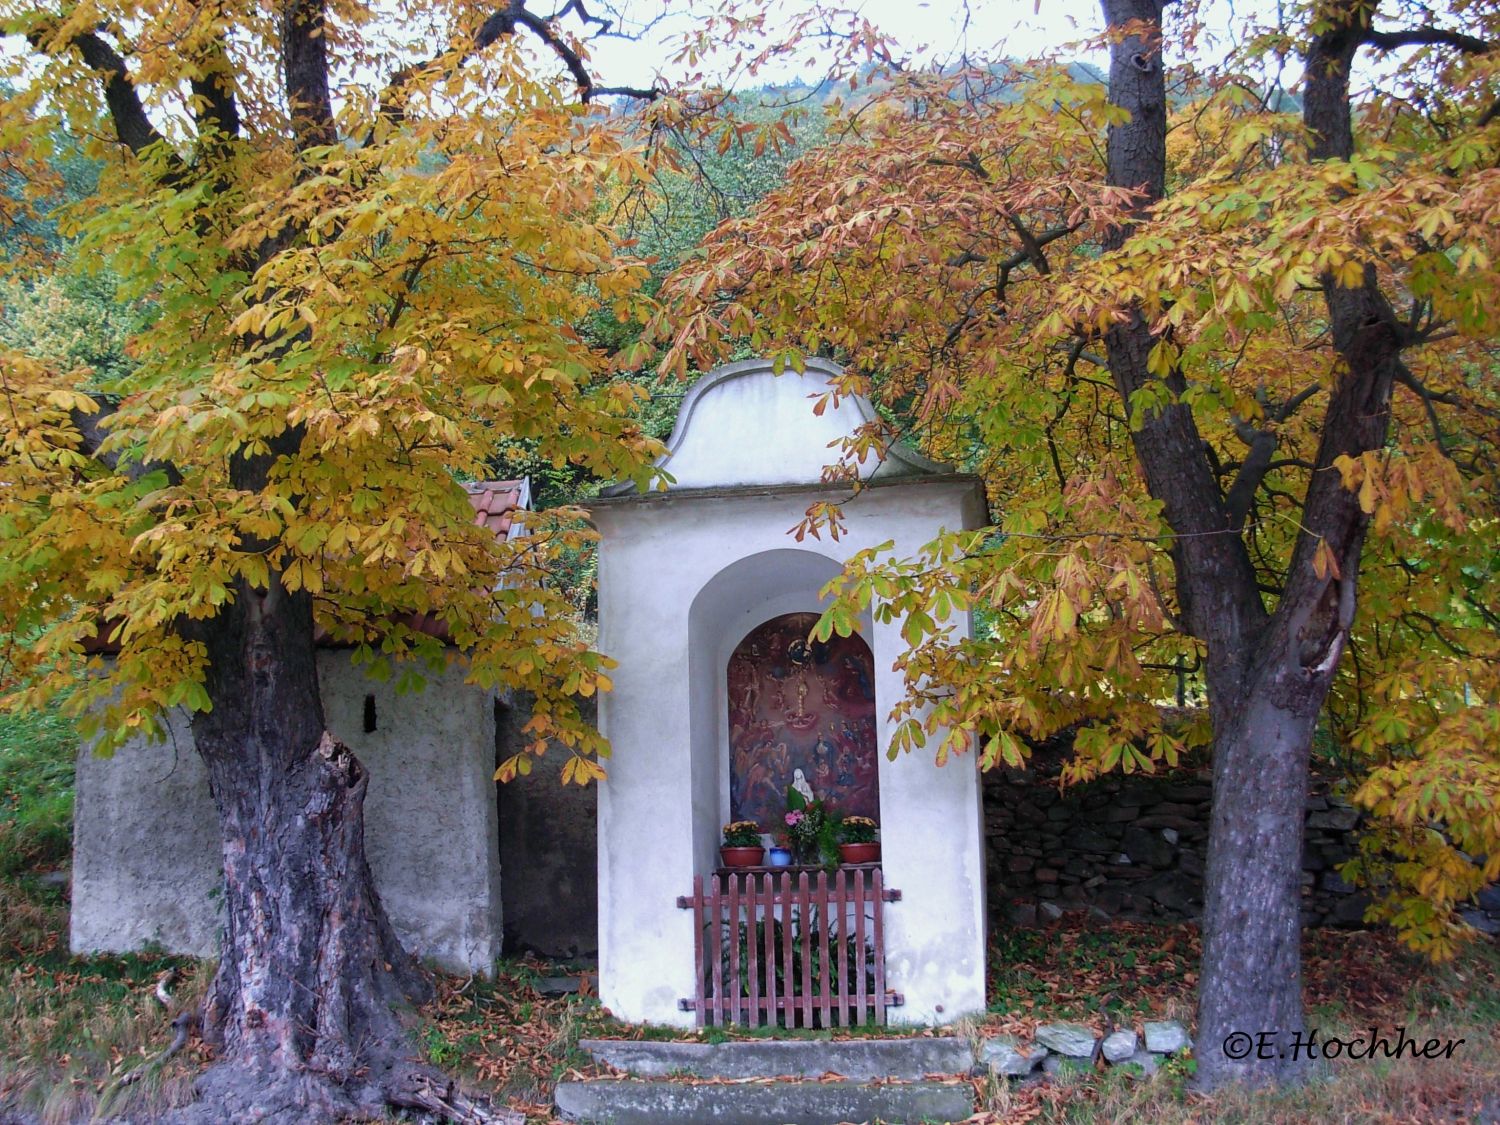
<point>933,29</point>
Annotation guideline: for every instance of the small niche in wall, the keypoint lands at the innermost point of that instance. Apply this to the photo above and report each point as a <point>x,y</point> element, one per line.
<point>371,723</point>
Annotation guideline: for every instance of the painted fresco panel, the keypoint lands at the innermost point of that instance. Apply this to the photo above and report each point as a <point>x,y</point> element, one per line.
<point>795,705</point>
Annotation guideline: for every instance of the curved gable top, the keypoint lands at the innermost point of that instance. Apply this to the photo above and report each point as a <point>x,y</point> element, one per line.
<point>742,424</point>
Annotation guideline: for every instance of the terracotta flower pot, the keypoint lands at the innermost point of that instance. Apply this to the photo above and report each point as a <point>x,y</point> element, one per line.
<point>860,853</point>
<point>742,857</point>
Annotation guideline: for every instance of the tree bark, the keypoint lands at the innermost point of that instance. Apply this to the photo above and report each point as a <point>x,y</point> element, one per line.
<point>302,1008</point>
<point>305,1008</point>
<point>1268,674</point>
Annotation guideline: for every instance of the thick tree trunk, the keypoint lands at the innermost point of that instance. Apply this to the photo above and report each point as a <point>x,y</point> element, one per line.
<point>1251,976</point>
<point>302,1006</point>
<point>305,1008</point>
<point>1268,674</point>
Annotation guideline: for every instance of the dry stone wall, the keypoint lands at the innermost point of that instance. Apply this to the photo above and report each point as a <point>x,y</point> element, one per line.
<point>1133,846</point>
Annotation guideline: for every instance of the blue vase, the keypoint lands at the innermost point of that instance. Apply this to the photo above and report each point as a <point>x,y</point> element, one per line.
<point>779,857</point>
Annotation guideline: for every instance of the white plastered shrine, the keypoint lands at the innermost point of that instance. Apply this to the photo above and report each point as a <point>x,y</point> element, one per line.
<point>684,575</point>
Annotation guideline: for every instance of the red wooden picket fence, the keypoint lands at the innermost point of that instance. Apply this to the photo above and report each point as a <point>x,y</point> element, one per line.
<point>790,947</point>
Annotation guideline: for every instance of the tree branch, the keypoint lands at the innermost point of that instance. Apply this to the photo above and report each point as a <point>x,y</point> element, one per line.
<point>1428,37</point>
<point>1405,378</point>
<point>304,64</point>
<point>504,21</point>
<point>132,127</point>
<point>214,105</point>
<point>587,90</point>
<point>1257,463</point>
<point>92,431</point>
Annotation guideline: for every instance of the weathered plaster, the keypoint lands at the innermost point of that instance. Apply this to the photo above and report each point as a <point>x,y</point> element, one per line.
<point>146,866</point>
<point>789,444</point>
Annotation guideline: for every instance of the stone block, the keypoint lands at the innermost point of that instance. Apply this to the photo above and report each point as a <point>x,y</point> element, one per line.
<point>1147,847</point>
<point>1334,883</point>
<point>1173,808</point>
<point>1144,1062</point>
<point>1061,1067</point>
<point>1190,794</point>
<point>1340,818</point>
<point>1190,828</point>
<point>1479,920</point>
<point>1120,1045</point>
<point>904,1059</point>
<point>1028,813</point>
<point>1072,1040</point>
<point>1088,840</point>
<point>1109,900</point>
<point>627,1102</point>
<point>1007,1055</point>
<point>1173,891</point>
<point>1166,1036</point>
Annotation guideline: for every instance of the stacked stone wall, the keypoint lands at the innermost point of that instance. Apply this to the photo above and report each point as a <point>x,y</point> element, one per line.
<point>1133,846</point>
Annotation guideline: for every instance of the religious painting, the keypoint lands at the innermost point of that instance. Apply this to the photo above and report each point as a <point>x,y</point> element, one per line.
<point>800,706</point>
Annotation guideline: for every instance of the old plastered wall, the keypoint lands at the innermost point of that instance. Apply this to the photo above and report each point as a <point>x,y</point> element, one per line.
<point>146,866</point>
<point>683,576</point>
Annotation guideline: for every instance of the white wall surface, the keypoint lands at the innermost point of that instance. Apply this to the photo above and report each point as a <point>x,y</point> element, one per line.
<point>146,864</point>
<point>682,578</point>
<point>744,424</point>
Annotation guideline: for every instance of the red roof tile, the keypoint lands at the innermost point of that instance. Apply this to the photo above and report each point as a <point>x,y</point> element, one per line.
<point>496,502</point>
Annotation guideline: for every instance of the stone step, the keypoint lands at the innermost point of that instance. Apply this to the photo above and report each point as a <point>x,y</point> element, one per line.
<point>859,1059</point>
<point>657,1102</point>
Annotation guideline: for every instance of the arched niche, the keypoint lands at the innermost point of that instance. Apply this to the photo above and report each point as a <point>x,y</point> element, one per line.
<point>801,707</point>
<point>733,602</point>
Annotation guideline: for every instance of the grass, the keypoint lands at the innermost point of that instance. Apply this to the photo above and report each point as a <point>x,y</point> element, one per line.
<point>1353,981</point>
<point>36,791</point>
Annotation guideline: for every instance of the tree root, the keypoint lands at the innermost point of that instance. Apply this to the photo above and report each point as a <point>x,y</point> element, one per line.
<point>249,1090</point>
<point>432,1093</point>
<point>183,1026</point>
<point>164,984</point>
